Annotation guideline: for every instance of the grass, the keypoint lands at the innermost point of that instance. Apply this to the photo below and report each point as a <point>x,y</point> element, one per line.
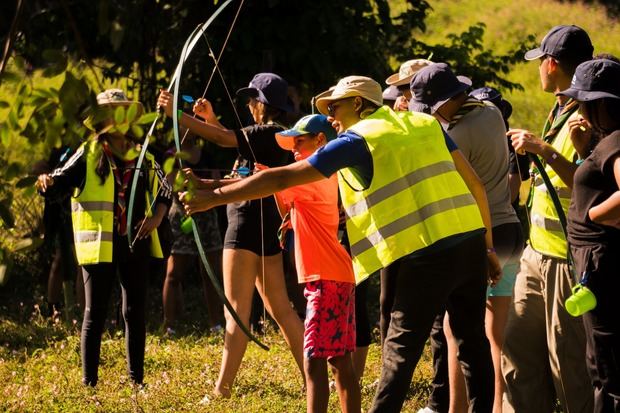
<point>41,371</point>
<point>509,20</point>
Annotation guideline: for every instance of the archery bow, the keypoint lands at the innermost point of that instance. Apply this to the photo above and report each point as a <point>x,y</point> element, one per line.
<point>187,48</point>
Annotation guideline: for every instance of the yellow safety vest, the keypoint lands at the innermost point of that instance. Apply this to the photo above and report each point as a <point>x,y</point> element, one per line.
<point>92,212</point>
<point>546,235</point>
<point>416,196</point>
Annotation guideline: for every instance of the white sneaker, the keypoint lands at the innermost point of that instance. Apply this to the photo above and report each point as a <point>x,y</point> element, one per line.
<point>427,410</point>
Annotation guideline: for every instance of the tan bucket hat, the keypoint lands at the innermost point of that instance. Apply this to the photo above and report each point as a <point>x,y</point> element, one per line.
<point>406,72</point>
<point>116,97</point>
<point>351,86</point>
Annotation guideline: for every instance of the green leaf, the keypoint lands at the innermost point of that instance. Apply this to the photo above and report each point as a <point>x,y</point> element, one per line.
<point>122,128</point>
<point>179,182</point>
<point>132,111</point>
<point>119,115</point>
<point>5,272</point>
<point>30,191</point>
<point>5,215</point>
<point>12,171</point>
<point>26,244</point>
<point>5,134</point>
<point>56,62</point>
<point>13,121</point>
<point>137,131</point>
<point>168,165</point>
<point>147,118</point>
<point>26,182</point>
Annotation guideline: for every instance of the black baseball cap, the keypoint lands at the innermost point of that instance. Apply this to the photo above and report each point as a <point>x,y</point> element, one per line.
<point>269,89</point>
<point>595,79</point>
<point>434,85</point>
<point>569,43</point>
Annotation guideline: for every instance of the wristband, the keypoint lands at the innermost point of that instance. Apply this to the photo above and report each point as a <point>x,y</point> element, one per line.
<point>491,250</point>
<point>552,158</point>
<point>579,161</point>
<point>179,113</point>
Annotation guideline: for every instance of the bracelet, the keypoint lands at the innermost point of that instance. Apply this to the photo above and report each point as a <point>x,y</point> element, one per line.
<point>491,250</point>
<point>579,161</point>
<point>179,113</point>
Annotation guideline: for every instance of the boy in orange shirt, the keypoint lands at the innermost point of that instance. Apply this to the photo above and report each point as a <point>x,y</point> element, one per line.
<point>325,268</point>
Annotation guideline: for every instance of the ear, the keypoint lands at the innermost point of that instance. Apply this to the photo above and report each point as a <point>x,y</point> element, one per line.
<point>552,65</point>
<point>321,138</point>
<point>357,103</point>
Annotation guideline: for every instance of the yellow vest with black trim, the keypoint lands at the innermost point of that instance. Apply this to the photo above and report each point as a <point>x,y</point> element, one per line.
<point>92,212</point>
<point>416,196</point>
<point>546,235</point>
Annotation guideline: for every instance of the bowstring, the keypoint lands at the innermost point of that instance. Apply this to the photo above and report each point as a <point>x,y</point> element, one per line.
<point>216,67</point>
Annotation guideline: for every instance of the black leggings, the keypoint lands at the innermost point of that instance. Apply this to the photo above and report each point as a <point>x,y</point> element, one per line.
<point>99,279</point>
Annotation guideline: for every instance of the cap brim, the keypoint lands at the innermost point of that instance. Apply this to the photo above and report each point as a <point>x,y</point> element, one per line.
<point>396,80</point>
<point>464,84</point>
<point>322,102</point>
<point>534,54</point>
<point>248,92</point>
<point>586,95</point>
<point>286,139</point>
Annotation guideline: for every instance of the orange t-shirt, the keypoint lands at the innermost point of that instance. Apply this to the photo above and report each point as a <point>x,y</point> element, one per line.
<point>314,217</point>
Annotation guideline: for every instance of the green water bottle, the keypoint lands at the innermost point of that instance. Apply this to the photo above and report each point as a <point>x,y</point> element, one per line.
<point>581,301</point>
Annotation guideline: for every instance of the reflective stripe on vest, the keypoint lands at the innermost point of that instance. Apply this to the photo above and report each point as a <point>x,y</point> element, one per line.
<point>546,234</point>
<point>398,185</point>
<point>416,196</point>
<point>92,213</point>
<point>410,220</point>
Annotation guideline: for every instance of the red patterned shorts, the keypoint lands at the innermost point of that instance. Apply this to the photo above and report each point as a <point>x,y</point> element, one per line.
<point>330,319</point>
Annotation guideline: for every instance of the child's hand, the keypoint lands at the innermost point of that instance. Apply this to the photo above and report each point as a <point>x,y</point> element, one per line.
<point>44,181</point>
<point>164,101</point>
<point>204,109</point>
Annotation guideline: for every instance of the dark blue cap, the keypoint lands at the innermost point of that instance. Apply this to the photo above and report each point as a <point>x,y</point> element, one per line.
<point>391,93</point>
<point>570,43</point>
<point>595,79</point>
<point>434,85</point>
<point>495,97</point>
<point>269,89</point>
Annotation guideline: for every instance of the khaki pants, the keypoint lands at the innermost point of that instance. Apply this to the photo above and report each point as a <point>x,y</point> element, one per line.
<point>544,355</point>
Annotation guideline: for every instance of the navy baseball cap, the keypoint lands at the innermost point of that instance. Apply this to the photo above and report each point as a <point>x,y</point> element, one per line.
<point>269,89</point>
<point>391,93</point>
<point>308,124</point>
<point>433,86</point>
<point>595,79</point>
<point>570,43</point>
<point>495,97</point>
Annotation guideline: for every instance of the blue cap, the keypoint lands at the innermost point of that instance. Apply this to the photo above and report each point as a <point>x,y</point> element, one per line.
<point>308,124</point>
<point>595,79</point>
<point>492,95</point>
<point>269,89</point>
<point>565,43</point>
<point>433,86</point>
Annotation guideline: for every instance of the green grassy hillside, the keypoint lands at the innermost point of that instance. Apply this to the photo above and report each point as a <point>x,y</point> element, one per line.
<point>508,21</point>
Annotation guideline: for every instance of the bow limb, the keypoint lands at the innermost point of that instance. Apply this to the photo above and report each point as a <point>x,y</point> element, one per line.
<point>189,45</point>
<point>556,204</point>
<point>187,48</point>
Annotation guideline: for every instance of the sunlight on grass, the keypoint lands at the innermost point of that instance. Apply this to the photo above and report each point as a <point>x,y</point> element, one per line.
<point>39,364</point>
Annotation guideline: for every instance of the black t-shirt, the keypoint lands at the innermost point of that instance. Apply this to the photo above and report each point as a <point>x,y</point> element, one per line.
<point>593,183</point>
<point>262,145</point>
<point>246,220</point>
